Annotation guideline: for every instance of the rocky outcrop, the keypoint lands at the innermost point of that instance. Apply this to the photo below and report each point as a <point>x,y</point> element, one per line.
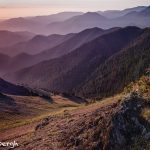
<point>127,123</point>
<point>43,123</point>
<point>113,127</point>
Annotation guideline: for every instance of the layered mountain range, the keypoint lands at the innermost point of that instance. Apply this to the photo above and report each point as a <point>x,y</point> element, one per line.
<point>75,63</point>
<point>76,80</point>
<point>57,45</point>
<point>93,67</point>
<point>68,22</point>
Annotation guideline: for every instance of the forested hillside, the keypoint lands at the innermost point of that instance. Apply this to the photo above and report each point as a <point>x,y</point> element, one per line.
<point>119,70</point>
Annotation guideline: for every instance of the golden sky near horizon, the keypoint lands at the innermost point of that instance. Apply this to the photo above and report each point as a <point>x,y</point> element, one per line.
<point>21,8</point>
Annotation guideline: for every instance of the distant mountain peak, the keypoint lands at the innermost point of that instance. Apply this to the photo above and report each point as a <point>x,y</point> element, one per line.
<point>137,9</point>
<point>38,37</point>
<point>92,29</point>
<point>16,19</point>
<point>148,7</point>
<point>93,14</point>
<point>146,11</point>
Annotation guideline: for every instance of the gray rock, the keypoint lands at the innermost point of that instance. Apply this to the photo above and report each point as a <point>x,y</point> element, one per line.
<point>147,136</point>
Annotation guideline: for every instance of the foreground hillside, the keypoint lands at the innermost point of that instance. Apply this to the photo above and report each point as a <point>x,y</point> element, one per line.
<point>23,107</point>
<point>114,123</point>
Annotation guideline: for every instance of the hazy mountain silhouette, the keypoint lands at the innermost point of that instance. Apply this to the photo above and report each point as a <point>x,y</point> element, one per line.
<point>35,45</point>
<point>35,24</point>
<point>140,19</point>
<point>74,22</point>
<point>19,24</point>
<point>119,13</point>
<point>54,17</point>
<point>8,38</point>
<point>9,88</point>
<point>67,72</point>
<point>74,41</point>
<point>132,17</point>
<point>79,23</point>
<point>145,12</point>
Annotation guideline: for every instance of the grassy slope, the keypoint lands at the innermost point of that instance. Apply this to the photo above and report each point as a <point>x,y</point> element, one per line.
<point>61,112</point>
<point>29,110</point>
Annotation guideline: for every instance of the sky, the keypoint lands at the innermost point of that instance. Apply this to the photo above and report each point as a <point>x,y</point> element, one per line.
<point>20,8</point>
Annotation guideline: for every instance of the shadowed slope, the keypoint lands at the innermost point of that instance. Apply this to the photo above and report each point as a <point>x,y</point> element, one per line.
<point>119,70</point>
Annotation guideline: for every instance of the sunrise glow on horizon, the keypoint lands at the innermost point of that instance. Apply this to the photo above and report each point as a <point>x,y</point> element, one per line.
<point>17,8</point>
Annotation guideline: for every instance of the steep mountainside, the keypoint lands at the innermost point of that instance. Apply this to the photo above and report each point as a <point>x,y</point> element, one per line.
<point>69,71</point>
<point>9,88</point>
<point>119,70</point>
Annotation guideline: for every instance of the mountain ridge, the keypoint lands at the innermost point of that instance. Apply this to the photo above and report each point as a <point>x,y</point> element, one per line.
<point>69,43</point>
<point>128,65</point>
<point>64,73</point>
